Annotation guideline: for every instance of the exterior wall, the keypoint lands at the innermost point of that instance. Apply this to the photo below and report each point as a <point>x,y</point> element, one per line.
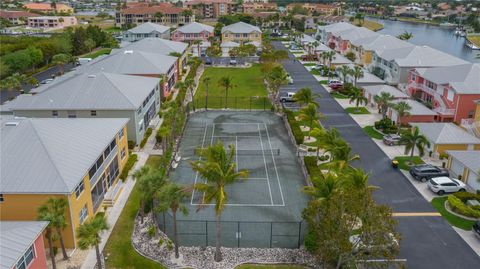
<point>477,112</point>
<point>51,22</point>
<point>241,38</point>
<point>123,18</point>
<point>190,37</point>
<point>392,114</point>
<point>40,260</point>
<point>441,148</point>
<point>132,37</point>
<point>466,107</point>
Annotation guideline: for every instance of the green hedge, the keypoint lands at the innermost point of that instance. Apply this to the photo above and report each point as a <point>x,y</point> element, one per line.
<point>148,133</point>
<point>311,165</point>
<point>465,196</point>
<point>295,126</point>
<point>132,159</point>
<point>459,207</point>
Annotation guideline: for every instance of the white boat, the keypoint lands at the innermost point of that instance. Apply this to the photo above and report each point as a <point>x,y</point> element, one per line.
<point>471,45</point>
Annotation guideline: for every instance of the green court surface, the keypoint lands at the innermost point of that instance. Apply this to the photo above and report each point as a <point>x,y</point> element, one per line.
<point>263,210</point>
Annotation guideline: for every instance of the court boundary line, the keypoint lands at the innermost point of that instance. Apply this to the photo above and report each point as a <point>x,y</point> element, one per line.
<point>196,174</point>
<point>274,164</point>
<point>265,164</point>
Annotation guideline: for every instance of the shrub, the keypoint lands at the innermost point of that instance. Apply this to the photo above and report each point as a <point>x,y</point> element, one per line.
<point>311,165</point>
<point>132,159</point>
<point>151,231</point>
<point>311,241</point>
<point>386,126</point>
<point>145,137</point>
<point>295,126</point>
<point>443,156</point>
<point>465,196</point>
<point>459,207</point>
<point>131,144</point>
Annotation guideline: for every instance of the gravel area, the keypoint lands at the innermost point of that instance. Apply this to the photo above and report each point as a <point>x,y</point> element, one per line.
<point>202,257</point>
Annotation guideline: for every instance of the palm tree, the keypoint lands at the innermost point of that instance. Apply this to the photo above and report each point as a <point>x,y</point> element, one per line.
<point>403,110</point>
<point>330,56</point>
<point>405,36</point>
<point>414,140</point>
<point>360,18</point>
<point>345,70</point>
<point>89,235</point>
<point>310,115</point>
<point>323,187</point>
<point>53,211</point>
<point>197,43</point>
<point>170,196</point>
<point>341,157</point>
<point>163,132</point>
<point>276,77</point>
<point>190,85</point>
<point>158,16</point>
<point>61,59</point>
<point>150,179</point>
<point>356,95</point>
<point>227,84</point>
<point>218,168</point>
<point>304,96</point>
<point>357,72</point>
<point>383,101</point>
<point>206,82</point>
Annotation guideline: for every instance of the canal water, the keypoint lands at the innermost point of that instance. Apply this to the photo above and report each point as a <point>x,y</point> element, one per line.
<point>434,36</point>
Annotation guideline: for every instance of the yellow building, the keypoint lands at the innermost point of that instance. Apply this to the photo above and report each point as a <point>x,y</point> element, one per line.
<point>242,33</point>
<point>76,159</point>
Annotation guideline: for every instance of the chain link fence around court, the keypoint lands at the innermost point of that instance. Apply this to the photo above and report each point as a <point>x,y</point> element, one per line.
<point>246,103</point>
<point>235,234</point>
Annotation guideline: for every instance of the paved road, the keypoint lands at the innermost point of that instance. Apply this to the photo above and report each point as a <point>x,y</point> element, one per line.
<point>427,242</point>
<point>5,95</point>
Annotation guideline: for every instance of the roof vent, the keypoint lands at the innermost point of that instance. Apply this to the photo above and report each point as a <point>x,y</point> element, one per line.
<point>92,76</point>
<point>12,123</point>
<point>128,52</point>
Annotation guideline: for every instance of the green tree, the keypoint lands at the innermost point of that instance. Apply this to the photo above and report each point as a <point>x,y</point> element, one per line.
<point>89,235</point>
<point>357,73</point>
<point>149,179</point>
<point>197,43</point>
<point>218,168</point>
<point>356,95</point>
<point>310,115</point>
<point>53,211</point>
<point>89,44</point>
<point>206,82</point>
<point>405,36</point>
<point>159,16</point>
<point>414,140</point>
<point>163,133</point>
<point>170,196</point>
<point>330,56</point>
<point>360,17</point>
<point>344,70</point>
<point>276,77</point>
<point>403,109</point>
<point>383,101</point>
<point>15,82</point>
<point>351,56</point>
<point>227,84</point>
<point>305,96</point>
<point>61,60</point>
<point>190,84</point>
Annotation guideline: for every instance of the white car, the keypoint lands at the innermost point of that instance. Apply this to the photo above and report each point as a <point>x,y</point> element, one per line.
<point>441,185</point>
<point>359,245</point>
<point>289,79</point>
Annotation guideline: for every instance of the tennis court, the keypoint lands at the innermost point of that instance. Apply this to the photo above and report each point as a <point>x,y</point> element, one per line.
<point>269,199</point>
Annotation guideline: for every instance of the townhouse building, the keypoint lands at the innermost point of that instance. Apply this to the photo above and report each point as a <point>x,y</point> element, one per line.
<point>162,13</point>
<point>417,113</point>
<point>371,91</point>
<point>78,160</point>
<point>324,32</point>
<point>96,95</point>
<point>365,47</point>
<point>22,245</point>
<point>322,9</point>
<point>242,33</point>
<point>341,40</point>
<point>465,165</point>
<point>250,8</point>
<point>211,8</point>
<point>144,30</point>
<point>48,7</point>
<point>192,33</point>
<point>51,22</point>
<point>451,90</point>
<point>17,17</point>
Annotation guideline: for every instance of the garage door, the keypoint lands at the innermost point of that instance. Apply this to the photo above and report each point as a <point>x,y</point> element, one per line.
<point>457,168</point>
<point>473,181</point>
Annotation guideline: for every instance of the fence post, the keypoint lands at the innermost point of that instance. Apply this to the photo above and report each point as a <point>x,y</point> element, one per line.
<point>239,234</point>
<point>206,233</point>
<point>263,104</point>
<point>271,233</point>
<point>299,232</point>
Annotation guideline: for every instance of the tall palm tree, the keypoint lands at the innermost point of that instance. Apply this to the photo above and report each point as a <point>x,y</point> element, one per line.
<point>150,180</point>
<point>405,36</point>
<point>206,82</point>
<point>89,235</point>
<point>218,168</point>
<point>345,70</point>
<point>197,43</point>
<point>383,101</point>
<point>330,56</point>
<point>227,84</point>
<point>341,157</point>
<point>403,110</point>
<point>310,115</point>
<point>190,85</point>
<point>323,187</point>
<point>61,59</point>
<point>305,96</point>
<point>357,72</point>
<point>53,211</point>
<point>414,140</point>
<point>356,95</point>
<point>163,132</point>
<point>170,196</point>
<point>276,77</point>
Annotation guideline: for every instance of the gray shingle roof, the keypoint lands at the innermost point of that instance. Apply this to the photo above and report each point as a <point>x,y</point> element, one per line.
<point>469,158</point>
<point>132,62</point>
<point>156,45</point>
<point>195,28</point>
<point>15,238</point>
<point>425,56</point>
<point>356,33</point>
<point>377,89</point>
<point>241,28</point>
<point>446,133</point>
<point>49,155</point>
<point>82,91</point>
<point>340,26</point>
<point>463,78</point>
<point>340,59</point>
<point>148,27</point>
<point>384,42</point>
<point>417,108</point>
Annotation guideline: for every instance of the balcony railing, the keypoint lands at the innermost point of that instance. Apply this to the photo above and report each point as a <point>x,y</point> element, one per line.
<point>438,97</point>
<point>101,169</point>
<point>445,111</point>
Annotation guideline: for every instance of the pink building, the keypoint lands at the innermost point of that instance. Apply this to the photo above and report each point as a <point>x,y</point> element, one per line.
<point>341,40</point>
<point>52,22</point>
<point>194,32</point>
<point>450,91</point>
<point>22,245</point>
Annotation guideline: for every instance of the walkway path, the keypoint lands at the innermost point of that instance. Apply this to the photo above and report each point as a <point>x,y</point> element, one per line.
<point>427,241</point>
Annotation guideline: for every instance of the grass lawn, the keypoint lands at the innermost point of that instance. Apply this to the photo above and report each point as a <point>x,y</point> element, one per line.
<point>475,39</point>
<point>338,95</point>
<point>315,72</point>
<point>154,161</point>
<point>357,110</point>
<point>97,53</point>
<point>248,85</point>
<point>372,25</point>
<point>402,161</point>
<point>370,131</point>
<point>323,82</point>
<point>309,64</point>
<point>439,204</point>
<point>271,266</point>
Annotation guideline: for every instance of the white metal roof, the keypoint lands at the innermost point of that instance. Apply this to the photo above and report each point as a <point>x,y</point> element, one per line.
<point>378,89</point>
<point>148,27</point>
<point>241,28</point>
<point>195,28</point>
<point>469,158</point>
<point>446,133</point>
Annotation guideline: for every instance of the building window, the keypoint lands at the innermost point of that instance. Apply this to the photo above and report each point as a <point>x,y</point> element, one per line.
<point>83,214</point>
<point>1,198</point>
<point>26,259</point>
<point>93,113</point>
<point>79,189</point>
<point>123,153</point>
<point>72,114</point>
<point>120,134</point>
<point>54,113</point>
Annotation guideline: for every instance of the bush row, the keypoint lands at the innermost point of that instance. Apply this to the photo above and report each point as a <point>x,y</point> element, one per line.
<point>461,208</point>
<point>311,165</point>
<point>386,126</point>
<point>132,159</point>
<point>295,126</point>
<point>465,196</point>
<point>148,132</point>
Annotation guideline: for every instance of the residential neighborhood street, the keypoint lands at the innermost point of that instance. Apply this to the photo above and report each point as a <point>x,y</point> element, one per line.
<point>427,241</point>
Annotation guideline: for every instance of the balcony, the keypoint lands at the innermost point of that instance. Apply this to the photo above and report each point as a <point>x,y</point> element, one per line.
<point>445,111</point>
<point>471,126</point>
<point>101,169</point>
<point>442,108</point>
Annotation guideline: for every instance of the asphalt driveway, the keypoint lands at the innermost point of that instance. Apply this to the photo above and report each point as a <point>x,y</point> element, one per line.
<point>427,242</point>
